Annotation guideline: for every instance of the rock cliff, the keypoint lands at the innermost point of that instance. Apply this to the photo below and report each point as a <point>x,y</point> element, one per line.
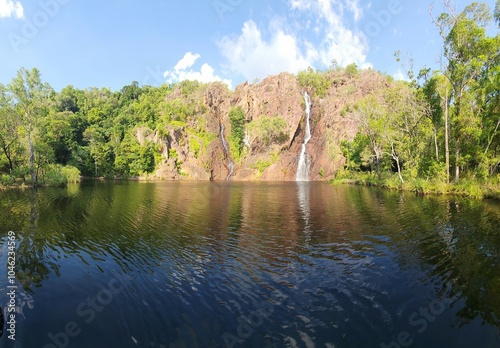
<point>194,149</point>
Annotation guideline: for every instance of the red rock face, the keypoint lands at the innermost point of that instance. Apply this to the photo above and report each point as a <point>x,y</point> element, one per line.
<point>276,96</point>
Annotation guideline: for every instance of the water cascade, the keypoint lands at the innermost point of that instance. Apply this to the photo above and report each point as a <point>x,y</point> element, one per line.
<point>225,145</point>
<point>304,164</point>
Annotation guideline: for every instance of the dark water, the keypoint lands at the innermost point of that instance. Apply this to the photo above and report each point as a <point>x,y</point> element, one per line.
<point>250,265</point>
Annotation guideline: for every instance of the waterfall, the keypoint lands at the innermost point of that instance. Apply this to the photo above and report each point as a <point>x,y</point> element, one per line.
<point>225,145</point>
<point>304,165</point>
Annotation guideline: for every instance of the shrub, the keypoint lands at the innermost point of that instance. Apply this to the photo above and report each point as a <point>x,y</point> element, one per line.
<point>237,119</point>
<point>190,86</point>
<point>420,186</point>
<point>315,80</point>
<point>269,130</point>
<point>176,110</point>
<point>469,188</point>
<point>57,175</point>
<point>351,70</point>
<point>72,174</point>
<point>53,176</point>
<point>21,172</point>
<point>437,171</point>
<point>172,153</point>
<point>262,165</point>
<point>393,183</point>
<point>199,139</point>
<point>7,180</point>
<point>195,146</point>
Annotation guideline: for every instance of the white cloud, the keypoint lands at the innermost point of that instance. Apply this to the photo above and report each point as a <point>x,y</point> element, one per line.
<point>288,48</point>
<point>357,11</point>
<point>300,4</point>
<point>187,61</point>
<point>182,71</point>
<point>340,7</point>
<point>339,42</point>
<point>253,57</point>
<point>11,8</point>
<point>400,76</point>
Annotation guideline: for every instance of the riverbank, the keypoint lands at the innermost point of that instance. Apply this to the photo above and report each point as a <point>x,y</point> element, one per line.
<point>465,188</point>
<point>20,183</point>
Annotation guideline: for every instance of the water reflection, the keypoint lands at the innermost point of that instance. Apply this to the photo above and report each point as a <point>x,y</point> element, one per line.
<point>307,262</point>
<point>303,196</point>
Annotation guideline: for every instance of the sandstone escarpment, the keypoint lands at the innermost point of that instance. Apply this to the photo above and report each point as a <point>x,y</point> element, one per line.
<point>193,149</point>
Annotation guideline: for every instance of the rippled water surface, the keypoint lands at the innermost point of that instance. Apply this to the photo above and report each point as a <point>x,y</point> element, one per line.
<point>171,264</point>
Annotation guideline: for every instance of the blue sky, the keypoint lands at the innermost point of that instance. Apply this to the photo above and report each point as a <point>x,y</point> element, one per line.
<point>112,43</point>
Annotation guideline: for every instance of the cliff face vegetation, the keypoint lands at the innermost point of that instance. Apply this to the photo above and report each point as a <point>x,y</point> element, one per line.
<point>273,113</point>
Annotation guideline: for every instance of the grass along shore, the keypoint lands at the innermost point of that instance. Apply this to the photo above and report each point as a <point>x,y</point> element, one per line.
<point>465,187</point>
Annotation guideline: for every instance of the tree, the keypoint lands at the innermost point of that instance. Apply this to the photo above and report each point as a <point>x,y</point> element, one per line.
<point>497,13</point>
<point>317,81</point>
<point>371,115</point>
<point>9,135</point>
<point>467,50</point>
<point>56,132</point>
<point>237,119</point>
<point>269,130</point>
<point>407,126</point>
<point>30,97</point>
<point>429,89</point>
<point>354,152</point>
<point>100,150</point>
<point>130,93</point>
<point>437,92</point>
<point>68,99</point>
